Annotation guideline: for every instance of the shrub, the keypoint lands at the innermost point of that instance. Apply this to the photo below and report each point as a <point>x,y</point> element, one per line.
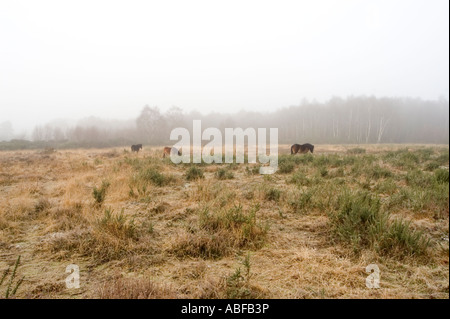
<point>156,178</point>
<point>194,173</point>
<point>418,178</point>
<point>358,219</point>
<point>400,239</point>
<point>431,166</point>
<point>443,158</point>
<point>360,222</point>
<point>377,172</point>
<point>441,176</point>
<point>252,171</point>
<point>222,231</point>
<point>285,167</point>
<point>387,186</point>
<point>299,178</point>
<point>223,174</point>
<point>100,193</point>
<point>117,225</point>
<point>323,172</point>
<point>272,194</point>
<point>238,284</point>
<point>302,202</point>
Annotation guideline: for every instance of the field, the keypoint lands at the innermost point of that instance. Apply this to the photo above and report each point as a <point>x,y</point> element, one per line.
<point>139,226</point>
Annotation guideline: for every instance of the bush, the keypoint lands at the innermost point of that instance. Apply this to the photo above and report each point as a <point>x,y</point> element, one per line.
<point>300,179</point>
<point>358,219</point>
<point>360,222</point>
<point>223,174</point>
<point>273,194</point>
<point>117,225</point>
<point>302,202</point>
<point>100,193</point>
<point>254,170</point>
<point>400,239</point>
<point>441,176</point>
<point>418,178</point>
<point>222,231</point>
<point>285,167</point>
<point>377,172</point>
<point>238,284</point>
<point>194,173</point>
<point>431,166</point>
<point>156,178</point>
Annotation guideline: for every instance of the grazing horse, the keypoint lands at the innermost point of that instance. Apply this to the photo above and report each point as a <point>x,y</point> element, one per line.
<point>168,150</point>
<point>297,148</point>
<point>136,148</point>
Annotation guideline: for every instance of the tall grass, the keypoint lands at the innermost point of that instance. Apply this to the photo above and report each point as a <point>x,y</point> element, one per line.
<point>194,173</point>
<point>11,287</point>
<point>99,194</point>
<point>219,232</point>
<point>360,222</point>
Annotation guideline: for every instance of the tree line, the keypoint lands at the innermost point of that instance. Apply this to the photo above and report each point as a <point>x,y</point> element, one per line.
<point>354,120</point>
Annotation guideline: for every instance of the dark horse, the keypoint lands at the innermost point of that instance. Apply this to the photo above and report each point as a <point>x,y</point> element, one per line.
<point>168,150</point>
<point>297,148</point>
<point>136,148</point>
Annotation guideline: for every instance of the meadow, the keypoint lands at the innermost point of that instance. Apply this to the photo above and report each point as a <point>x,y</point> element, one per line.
<point>139,226</point>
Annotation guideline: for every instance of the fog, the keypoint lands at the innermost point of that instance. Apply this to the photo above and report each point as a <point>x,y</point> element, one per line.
<point>63,64</point>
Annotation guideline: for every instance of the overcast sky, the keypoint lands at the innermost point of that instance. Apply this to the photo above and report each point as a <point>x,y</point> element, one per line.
<point>71,59</point>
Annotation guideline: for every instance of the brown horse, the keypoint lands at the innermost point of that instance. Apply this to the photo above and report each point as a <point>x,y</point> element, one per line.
<point>305,148</point>
<point>168,150</point>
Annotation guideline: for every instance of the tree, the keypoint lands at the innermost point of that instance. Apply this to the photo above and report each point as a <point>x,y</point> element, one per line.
<point>151,125</point>
<point>6,131</point>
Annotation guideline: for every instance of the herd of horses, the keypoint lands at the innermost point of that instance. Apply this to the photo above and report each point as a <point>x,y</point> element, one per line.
<point>295,148</point>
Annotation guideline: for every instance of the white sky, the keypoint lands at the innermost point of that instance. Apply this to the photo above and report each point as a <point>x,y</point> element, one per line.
<point>71,59</point>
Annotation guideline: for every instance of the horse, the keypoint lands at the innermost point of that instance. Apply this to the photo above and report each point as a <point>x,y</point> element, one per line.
<point>168,150</point>
<point>136,148</point>
<point>305,148</point>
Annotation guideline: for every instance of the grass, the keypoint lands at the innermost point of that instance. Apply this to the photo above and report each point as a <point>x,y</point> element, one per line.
<point>219,233</point>
<point>117,225</point>
<point>99,194</point>
<point>272,194</point>
<point>153,229</point>
<point>356,150</point>
<point>194,173</point>
<point>238,283</point>
<point>129,288</point>
<point>362,223</point>
<point>441,176</point>
<point>12,284</point>
<point>223,174</point>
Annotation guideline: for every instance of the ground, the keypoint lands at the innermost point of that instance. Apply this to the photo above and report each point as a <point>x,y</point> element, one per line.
<point>139,226</point>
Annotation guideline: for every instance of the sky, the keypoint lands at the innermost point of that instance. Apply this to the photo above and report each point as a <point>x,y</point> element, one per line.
<point>74,59</point>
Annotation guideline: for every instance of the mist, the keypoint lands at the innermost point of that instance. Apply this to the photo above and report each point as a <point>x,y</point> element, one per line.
<point>62,64</point>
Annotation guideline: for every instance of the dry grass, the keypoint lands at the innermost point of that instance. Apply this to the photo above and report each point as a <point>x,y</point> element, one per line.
<point>139,226</point>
